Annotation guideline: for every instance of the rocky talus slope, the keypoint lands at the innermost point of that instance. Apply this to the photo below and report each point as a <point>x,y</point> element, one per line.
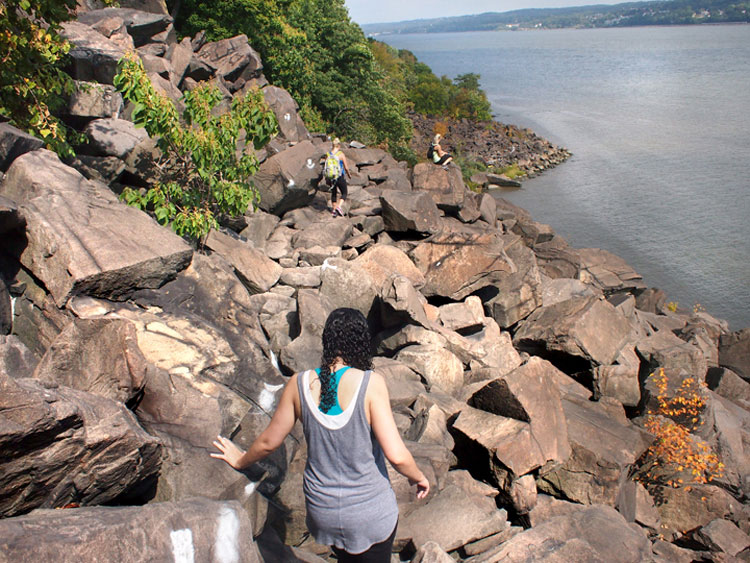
<point>518,367</point>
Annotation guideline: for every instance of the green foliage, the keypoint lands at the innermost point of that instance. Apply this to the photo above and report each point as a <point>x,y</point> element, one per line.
<point>415,84</point>
<point>311,48</point>
<point>202,174</point>
<point>32,84</point>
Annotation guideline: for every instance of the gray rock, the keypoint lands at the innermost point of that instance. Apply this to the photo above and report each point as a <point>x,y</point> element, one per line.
<point>259,227</point>
<point>595,534</point>
<point>284,179</point>
<point>734,352</point>
<point>305,351</point>
<point>258,272</point>
<point>437,366</point>
<point>94,56</point>
<point>16,360</point>
<point>401,303</point>
<point>466,316</point>
<point>14,143</point>
<point>583,327</point>
<point>404,212</point>
<point>291,127</point>
<point>608,272</point>
<point>651,300</point>
<point>561,289</point>
<point>636,505</point>
<point>322,233</point>
<point>431,552</point>
<point>191,530</point>
<point>445,186</point>
<point>603,449</point>
<point>517,291</point>
<point>557,260</point>
<point>723,536</point>
<point>62,445</point>
<point>156,65</point>
<point>687,508</point>
<point>114,137</point>
<point>142,26</point>
<point>104,169</point>
<point>488,209</point>
<point>472,518</point>
<point>233,58</point>
<point>100,356</point>
<point>92,100</point>
<point>382,261</point>
<point>80,237</point>
<point>179,55</point>
<point>729,385</point>
<point>347,284</point>
<point>528,394</point>
<point>620,380</point>
<point>456,265</point>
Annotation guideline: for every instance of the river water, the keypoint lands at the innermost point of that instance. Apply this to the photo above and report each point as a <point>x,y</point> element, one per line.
<point>658,121</point>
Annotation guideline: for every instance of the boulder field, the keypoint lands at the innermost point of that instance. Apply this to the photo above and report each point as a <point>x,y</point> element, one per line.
<point>518,367</point>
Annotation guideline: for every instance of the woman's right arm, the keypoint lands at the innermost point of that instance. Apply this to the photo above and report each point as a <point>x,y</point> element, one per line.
<point>386,433</point>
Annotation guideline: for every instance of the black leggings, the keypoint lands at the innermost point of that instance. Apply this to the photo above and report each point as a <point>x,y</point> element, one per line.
<point>377,553</point>
<point>340,183</point>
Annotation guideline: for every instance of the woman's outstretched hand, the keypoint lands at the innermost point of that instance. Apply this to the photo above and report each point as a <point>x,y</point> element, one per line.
<point>423,487</point>
<point>229,452</point>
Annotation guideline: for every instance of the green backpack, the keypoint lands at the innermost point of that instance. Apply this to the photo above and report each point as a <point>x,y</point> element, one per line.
<point>332,166</point>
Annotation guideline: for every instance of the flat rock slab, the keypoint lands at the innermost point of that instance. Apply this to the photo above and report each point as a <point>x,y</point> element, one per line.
<point>470,519</point>
<point>14,143</point>
<point>191,530</point>
<point>81,239</point>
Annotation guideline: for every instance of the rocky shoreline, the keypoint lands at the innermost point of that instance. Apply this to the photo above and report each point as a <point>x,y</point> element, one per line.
<point>519,368</point>
<point>495,144</point>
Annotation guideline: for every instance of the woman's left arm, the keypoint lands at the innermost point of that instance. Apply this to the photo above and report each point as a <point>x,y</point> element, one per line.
<point>271,438</point>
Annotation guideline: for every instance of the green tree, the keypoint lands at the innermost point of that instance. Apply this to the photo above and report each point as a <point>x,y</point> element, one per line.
<point>32,84</point>
<point>202,174</point>
<point>313,49</point>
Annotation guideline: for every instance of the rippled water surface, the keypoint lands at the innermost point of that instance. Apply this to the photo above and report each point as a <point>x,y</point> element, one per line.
<point>658,120</point>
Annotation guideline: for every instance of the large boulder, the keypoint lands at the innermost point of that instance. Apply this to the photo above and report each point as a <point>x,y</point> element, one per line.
<point>435,364</point>
<point>100,356</point>
<point>381,261</point>
<point>587,329</point>
<point>284,179</point>
<point>258,272</point>
<point>406,211</point>
<point>473,517</point>
<point>445,186</point>
<point>113,137</point>
<point>61,446</point>
<point>457,264</point>
<point>91,100</point>
<point>291,127</point>
<point>80,238</point>
<point>517,294</point>
<point>142,26</point>
<point>528,394</point>
<point>232,58</point>
<point>604,447</point>
<point>191,530</point>
<point>94,57</point>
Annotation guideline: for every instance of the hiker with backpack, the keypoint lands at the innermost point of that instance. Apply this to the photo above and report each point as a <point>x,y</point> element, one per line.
<point>335,171</point>
<point>436,153</point>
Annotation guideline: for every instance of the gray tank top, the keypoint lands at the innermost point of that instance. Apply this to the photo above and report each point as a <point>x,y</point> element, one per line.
<point>349,499</point>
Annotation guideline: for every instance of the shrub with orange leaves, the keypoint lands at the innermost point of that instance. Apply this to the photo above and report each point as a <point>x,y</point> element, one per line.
<point>677,455</point>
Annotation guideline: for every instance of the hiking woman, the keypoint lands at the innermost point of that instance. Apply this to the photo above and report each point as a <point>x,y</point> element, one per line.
<point>339,182</point>
<point>439,156</point>
<point>349,428</point>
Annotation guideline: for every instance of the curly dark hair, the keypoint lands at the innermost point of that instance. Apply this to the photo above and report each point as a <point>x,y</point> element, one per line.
<point>345,335</point>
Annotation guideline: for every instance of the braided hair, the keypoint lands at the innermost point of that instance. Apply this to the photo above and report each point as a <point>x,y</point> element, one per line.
<point>345,335</point>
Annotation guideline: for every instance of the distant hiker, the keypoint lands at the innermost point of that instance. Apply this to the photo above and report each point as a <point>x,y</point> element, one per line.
<point>436,152</point>
<point>335,171</point>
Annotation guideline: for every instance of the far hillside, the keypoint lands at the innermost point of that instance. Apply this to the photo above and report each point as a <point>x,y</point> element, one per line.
<point>672,12</point>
